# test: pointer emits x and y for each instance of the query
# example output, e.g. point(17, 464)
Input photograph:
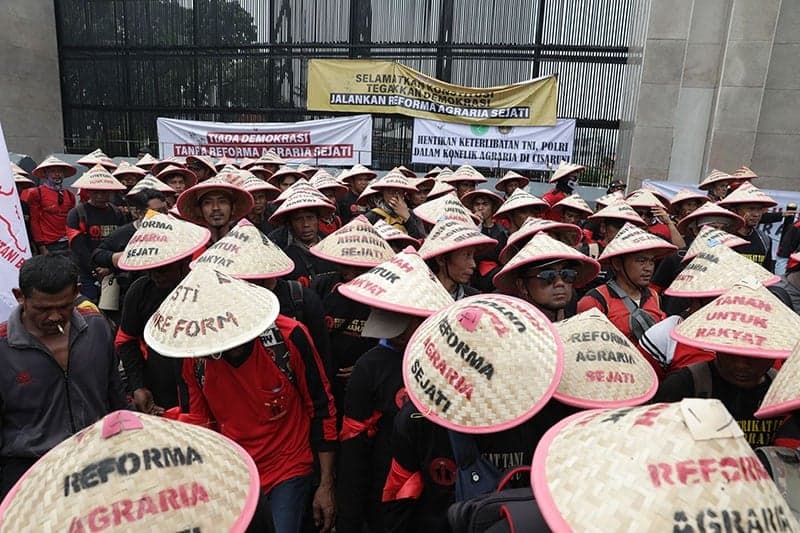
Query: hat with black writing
point(357, 243)
point(135, 472)
point(544, 249)
point(483, 364)
point(783, 396)
point(394, 180)
point(97, 157)
point(170, 170)
point(146, 162)
point(98, 178)
point(469, 199)
point(449, 235)
point(566, 169)
point(356, 170)
point(447, 206)
point(203, 160)
point(713, 178)
point(644, 199)
point(574, 202)
point(301, 184)
point(608, 199)
point(619, 210)
point(302, 198)
point(190, 200)
point(511, 176)
point(685, 195)
point(463, 173)
point(601, 367)
point(158, 166)
point(666, 467)
point(709, 236)
point(161, 240)
point(284, 171)
point(746, 320)
point(432, 173)
point(125, 168)
point(252, 184)
point(53, 162)
point(322, 180)
point(519, 199)
point(444, 174)
point(208, 313)
point(714, 270)
point(149, 182)
point(393, 235)
point(711, 213)
point(744, 173)
point(246, 253)
point(569, 234)
point(440, 188)
point(631, 239)
point(747, 193)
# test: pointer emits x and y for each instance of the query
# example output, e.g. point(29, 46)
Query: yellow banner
point(367, 86)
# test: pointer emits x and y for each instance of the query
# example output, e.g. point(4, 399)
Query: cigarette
point(60, 328)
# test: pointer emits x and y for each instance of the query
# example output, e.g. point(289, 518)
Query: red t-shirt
point(552, 197)
point(48, 218)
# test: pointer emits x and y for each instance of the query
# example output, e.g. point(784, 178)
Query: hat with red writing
point(301, 184)
point(160, 240)
point(747, 193)
point(544, 249)
point(447, 206)
point(134, 472)
point(449, 235)
point(644, 199)
point(464, 173)
point(125, 168)
point(569, 234)
point(520, 199)
point(440, 188)
point(710, 213)
point(511, 176)
point(146, 162)
point(666, 467)
point(483, 364)
point(746, 320)
point(394, 180)
point(394, 236)
point(246, 253)
point(149, 182)
point(608, 199)
point(714, 270)
point(302, 198)
point(97, 157)
point(709, 237)
point(631, 239)
point(208, 313)
point(356, 170)
point(53, 162)
point(685, 195)
point(566, 169)
point(98, 178)
point(715, 177)
point(357, 243)
point(170, 170)
point(574, 202)
point(783, 396)
point(190, 200)
point(601, 367)
point(619, 210)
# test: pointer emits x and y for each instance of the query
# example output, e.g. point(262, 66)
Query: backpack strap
point(296, 294)
point(273, 342)
point(81, 210)
point(701, 377)
point(597, 295)
point(622, 295)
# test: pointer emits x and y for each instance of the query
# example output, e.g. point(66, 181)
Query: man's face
point(304, 225)
point(688, 207)
point(418, 197)
point(548, 287)
point(720, 190)
point(751, 213)
point(259, 202)
point(216, 208)
point(286, 182)
point(483, 208)
point(459, 265)
point(359, 183)
point(463, 187)
point(519, 216)
point(99, 198)
point(45, 312)
point(513, 185)
point(176, 181)
point(639, 267)
point(54, 173)
point(571, 216)
point(744, 372)
point(168, 276)
point(609, 229)
point(129, 180)
point(330, 194)
point(156, 205)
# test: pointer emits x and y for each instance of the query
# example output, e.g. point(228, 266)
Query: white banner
point(14, 245)
point(523, 147)
point(340, 141)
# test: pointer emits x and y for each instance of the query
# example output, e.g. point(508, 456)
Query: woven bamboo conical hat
point(53, 162)
point(619, 210)
point(147, 161)
point(714, 177)
point(440, 188)
point(97, 157)
point(711, 213)
point(783, 396)
point(709, 236)
point(520, 198)
point(608, 199)
point(447, 206)
point(149, 182)
point(573, 201)
point(160, 240)
point(126, 168)
point(465, 173)
point(643, 199)
point(448, 235)
point(569, 234)
point(98, 178)
point(510, 176)
point(356, 170)
point(357, 243)
point(631, 239)
point(564, 169)
point(392, 234)
point(301, 198)
point(747, 193)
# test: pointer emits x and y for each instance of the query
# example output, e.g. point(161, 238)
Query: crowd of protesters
point(385, 348)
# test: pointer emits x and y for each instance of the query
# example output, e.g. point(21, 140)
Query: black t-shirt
point(347, 208)
point(758, 249)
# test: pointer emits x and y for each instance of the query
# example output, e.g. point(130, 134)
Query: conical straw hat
point(126, 168)
point(448, 206)
point(394, 180)
point(403, 284)
point(663, 198)
point(208, 313)
point(432, 173)
point(783, 396)
point(246, 253)
point(608, 199)
point(444, 174)
point(469, 199)
point(16, 169)
point(268, 158)
point(448, 235)
point(147, 161)
point(253, 184)
point(98, 178)
point(714, 270)
point(643, 199)
point(367, 194)
point(52, 162)
point(747, 193)
point(573, 201)
point(745, 173)
point(223, 161)
point(569, 234)
point(161, 240)
point(483, 364)
point(440, 188)
point(565, 169)
point(189, 201)
point(204, 160)
point(307, 170)
point(392, 234)
point(747, 320)
point(22, 181)
point(542, 248)
point(407, 172)
point(356, 170)
point(285, 170)
point(662, 467)
point(713, 178)
point(302, 199)
point(134, 472)
point(709, 236)
point(619, 210)
point(149, 182)
point(323, 180)
point(509, 176)
point(301, 184)
point(157, 167)
point(97, 158)
point(188, 176)
point(465, 173)
point(601, 366)
point(357, 243)
point(684, 195)
point(518, 199)
point(632, 239)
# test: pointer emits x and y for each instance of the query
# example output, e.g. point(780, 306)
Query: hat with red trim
point(158, 166)
point(189, 177)
point(520, 198)
point(98, 178)
point(511, 176)
point(447, 206)
point(783, 395)
point(160, 240)
point(744, 173)
point(685, 195)
point(95, 158)
point(710, 213)
point(747, 193)
point(644, 199)
point(356, 170)
point(619, 210)
point(573, 201)
point(203, 160)
point(301, 198)
point(715, 177)
point(323, 180)
point(708, 237)
point(631, 239)
point(608, 199)
point(189, 201)
point(449, 235)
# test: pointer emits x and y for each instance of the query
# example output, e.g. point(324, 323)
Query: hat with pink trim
point(146, 162)
point(158, 166)
point(447, 206)
point(307, 170)
point(299, 199)
point(744, 173)
point(356, 170)
point(543, 249)
point(323, 180)
point(98, 178)
point(432, 173)
point(710, 213)
point(404, 284)
point(569, 234)
point(246, 253)
point(394, 180)
point(708, 237)
point(783, 396)
point(284, 171)
point(714, 270)
point(449, 235)
point(573, 201)
point(188, 176)
point(602, 369)
point(97, 157)
point(407, 172)
point(483, 364)
point(268, 158)
point(511, 176)
point(520, 198)
point(689, 461)
point(189, 201)
point(715, 177)
point(685, 195)
point(204, 160)
point(619, 210)
point(301, 184)
point(53, 162)
point(566, 169)
point(495, 199)
point(631, 239)
point(746, 320)
point(464, 173)
point(135, 472)
point(357, 243)
point(126, 168)
point(367, 195)
point(644, 199)
point(747, 193)
point(161, 240)
point(440, 188)
point(608, 199)
point(149, 182)
point(394, 235)
point(253, 185)
point(224, 161)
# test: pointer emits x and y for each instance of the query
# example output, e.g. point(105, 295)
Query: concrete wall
point(30, 94)
point(719, 88)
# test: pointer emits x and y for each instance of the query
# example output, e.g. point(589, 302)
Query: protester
point(616, 186)
point(422, 188)
point(750, 203)
point(285, 177)
point(790, 282)
point(510, 182)
point(179, 178)
point(356, 178)
point(59, 370)
point(49, 204)
point(202, 167)
point(263, 193)
point(330, 189)
point(612, 217)
point(519, 207)
point(392, 206)
point(440, 188)
point(484, 203)
point(565, 178)
point(464, 179)
point(447, 206)
point(128, 175)
point(716, 185)
point(654, 213)
point(569, 234)
point(685, 202)
point(216, 203)
point(574, 210)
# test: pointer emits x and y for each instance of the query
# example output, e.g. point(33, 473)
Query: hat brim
point(588, 269)
point(69, 170)
point(380, 304)
point(188, 203)
point(382, 324)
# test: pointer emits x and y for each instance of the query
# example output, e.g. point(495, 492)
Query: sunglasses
point(567, 275)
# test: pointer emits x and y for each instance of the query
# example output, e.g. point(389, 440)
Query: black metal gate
point(125, 62)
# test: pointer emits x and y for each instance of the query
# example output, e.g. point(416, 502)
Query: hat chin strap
point(628, 278)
